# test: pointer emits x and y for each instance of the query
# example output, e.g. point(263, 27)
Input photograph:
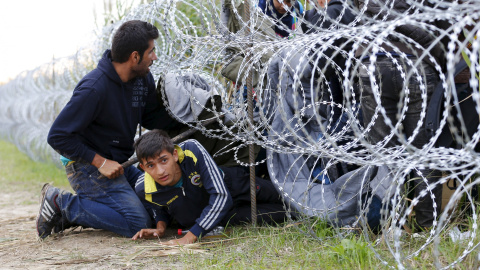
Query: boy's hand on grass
point(148, 234)
point(189, 238)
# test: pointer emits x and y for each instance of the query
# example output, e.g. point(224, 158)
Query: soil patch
point(76, 248)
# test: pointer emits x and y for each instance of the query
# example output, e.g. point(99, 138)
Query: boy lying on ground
point(182, 182)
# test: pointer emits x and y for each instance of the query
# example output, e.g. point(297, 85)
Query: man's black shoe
point(49, 214)
point(62, 225)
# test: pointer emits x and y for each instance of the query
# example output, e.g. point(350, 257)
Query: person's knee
point(141, 220)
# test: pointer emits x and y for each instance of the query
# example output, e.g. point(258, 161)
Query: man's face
point(143, 66)
point(280, 7)
point(163, 168)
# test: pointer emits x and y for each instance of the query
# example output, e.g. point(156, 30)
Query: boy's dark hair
point(152, 143)
point(132, 36)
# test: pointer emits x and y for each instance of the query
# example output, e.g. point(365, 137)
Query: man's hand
point(108, 168)
point(189, 238)
point(148, 234)
point(111, 169)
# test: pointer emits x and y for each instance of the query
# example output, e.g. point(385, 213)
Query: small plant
point(355, 251)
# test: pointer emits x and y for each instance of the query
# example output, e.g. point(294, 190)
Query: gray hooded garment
point(187, 95)
point(191, 98)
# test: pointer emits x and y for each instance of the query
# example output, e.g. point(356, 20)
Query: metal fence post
point(251, 147)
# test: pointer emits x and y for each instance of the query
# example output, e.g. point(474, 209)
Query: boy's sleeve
point(220, 201)
point(156, 212)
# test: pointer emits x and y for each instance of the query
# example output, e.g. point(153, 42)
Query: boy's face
point(163, 168)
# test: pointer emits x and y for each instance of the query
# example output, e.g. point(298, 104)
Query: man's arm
point(75, 117)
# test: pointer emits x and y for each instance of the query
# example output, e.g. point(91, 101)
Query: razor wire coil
point(195, 39)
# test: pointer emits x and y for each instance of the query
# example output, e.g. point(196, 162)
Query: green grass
point(288, 247)
point(247, 247)
point(20, 173)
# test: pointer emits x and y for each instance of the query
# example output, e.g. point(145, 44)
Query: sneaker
point(62, 225)
point(49, 214)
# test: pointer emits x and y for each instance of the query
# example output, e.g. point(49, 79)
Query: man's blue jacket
point(103, 114)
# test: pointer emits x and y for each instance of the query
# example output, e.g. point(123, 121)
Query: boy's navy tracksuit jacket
point(204, 200)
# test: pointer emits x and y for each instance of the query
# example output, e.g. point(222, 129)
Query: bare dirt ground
point(20, 247)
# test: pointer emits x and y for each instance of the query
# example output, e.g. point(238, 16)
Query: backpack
point(468, 113)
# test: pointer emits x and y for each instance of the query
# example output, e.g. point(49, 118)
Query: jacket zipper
point(183, 191)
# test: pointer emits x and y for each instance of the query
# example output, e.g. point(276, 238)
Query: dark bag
point(468, 113)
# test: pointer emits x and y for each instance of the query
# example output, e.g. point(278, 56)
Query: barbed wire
point(321, 150)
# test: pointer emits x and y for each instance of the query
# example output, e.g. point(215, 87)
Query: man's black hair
point(132, 36)
point(152, 143)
